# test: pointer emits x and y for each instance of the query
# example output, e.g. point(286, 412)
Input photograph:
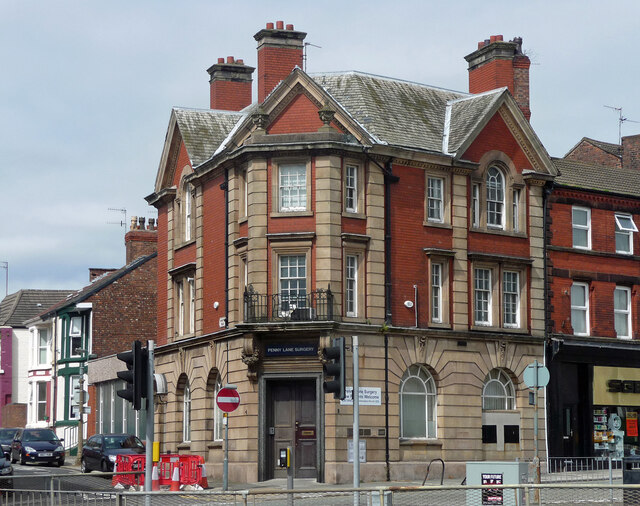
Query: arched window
point(498, 392)
point(417, 404)
point(186, 413)
point(217, 413)
point(187, 212)
point(495, 198)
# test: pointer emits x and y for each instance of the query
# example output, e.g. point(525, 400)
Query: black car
point(100, 451)
point(37, 445)
point(6, 439)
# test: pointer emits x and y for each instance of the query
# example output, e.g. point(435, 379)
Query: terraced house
point(349, 204)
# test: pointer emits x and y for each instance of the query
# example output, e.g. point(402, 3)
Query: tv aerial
point(304, 55)
point(621, 120)
point(123, 220)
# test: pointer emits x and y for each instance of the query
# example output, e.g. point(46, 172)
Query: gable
point(496, 136)
point(299, 116)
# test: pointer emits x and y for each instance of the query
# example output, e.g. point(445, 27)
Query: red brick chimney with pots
point(631, 152)
point(230, 84)
point(141, 241)
point(496, 64)
point(280, 50)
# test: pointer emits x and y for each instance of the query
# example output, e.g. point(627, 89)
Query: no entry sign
point(228, 399)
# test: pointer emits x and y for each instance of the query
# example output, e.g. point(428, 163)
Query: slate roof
point(19, 307)
point(94, 287)
point(607, 147)
point(203, 130)
point(596, 177)
point(393, 112)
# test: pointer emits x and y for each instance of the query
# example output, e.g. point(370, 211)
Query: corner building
point(348, 204)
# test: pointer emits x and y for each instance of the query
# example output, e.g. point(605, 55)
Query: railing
point(70, 435)
point(583, 469)
point(312, 306)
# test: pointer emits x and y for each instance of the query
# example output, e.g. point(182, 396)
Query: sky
point(87, 88)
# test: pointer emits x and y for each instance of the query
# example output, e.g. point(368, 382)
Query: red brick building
point(347, 204)
point(593, 278)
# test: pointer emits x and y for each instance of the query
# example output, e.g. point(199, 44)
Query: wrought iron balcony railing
point(312, 306)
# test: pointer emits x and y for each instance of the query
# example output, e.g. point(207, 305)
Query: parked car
point(6, 469)
point(100, 451)
point(37, 445)
point(6, 439)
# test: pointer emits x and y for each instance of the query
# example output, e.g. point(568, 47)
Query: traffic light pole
point(150, 415)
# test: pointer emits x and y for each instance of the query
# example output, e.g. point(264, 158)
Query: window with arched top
point(495, 198)
point(184, 405)
point(417, 403)
point(498, 392)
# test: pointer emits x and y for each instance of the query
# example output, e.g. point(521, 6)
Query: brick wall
point(163, 276)
point(125, 310)
point(301, 115)
point(631, 152)
point(14, 415)
point(588, 153)
point(274, 64)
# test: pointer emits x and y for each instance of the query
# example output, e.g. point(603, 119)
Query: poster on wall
point(632, 423)
point(492, 495)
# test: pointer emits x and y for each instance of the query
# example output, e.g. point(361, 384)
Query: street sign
point(228, 399)
point(529, 375)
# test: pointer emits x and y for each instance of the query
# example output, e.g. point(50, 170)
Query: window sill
point(420, 442)
point(289, 214)
point(443, 325)
point(212, 445)
point(437, 224)
point(498, 231)
point(185, 244)
point(509, 330)
point(243, 220)
point(355, 216)
point(184, 446)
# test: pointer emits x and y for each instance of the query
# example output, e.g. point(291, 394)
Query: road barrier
point(190, 469)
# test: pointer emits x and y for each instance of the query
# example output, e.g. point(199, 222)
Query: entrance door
point(570, 431)
point(291, 422)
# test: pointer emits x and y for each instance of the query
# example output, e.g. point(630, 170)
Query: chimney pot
point(220, 60)
point(280, 25)
point(499, 38)
point(269, 26)
point(229, 59)
point(134, 220)
point(481, 44)
point(492, 39)
point(289, 27)
point(240, 61)
point(141, 221)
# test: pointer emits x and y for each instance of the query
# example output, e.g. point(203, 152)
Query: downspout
point(546, 191)
point(386, 407)
point(225, 187)
point(54, 378)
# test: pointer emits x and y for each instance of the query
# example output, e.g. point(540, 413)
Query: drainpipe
point(54, 375)
point(225, 187)
point(546, 191)
point(386, 407)
point(388, 179)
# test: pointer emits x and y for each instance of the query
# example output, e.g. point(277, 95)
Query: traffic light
point(334, 366)
point(137, 361)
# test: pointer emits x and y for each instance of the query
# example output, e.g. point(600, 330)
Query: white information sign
point(369, 396)
point(363, 450)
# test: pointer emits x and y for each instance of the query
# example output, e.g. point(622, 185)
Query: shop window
point(625, 227)
point(498, 392)
point(581, 227)
point(417, 404)
point(580, 309)
point(622, 312)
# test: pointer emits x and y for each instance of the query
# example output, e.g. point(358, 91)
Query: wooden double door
point(291, 422)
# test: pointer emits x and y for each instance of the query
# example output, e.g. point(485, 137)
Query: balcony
point(313, 306)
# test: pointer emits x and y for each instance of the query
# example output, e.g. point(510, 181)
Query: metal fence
point(521, 495)
point(580, 469)
point(312, 306)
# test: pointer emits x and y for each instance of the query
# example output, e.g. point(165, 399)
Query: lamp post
point(84, 356)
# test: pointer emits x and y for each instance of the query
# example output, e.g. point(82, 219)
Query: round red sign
point(228, 399)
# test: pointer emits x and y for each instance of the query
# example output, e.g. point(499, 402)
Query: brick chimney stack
point(496, 64)
point(230, 84)
point(280, 50)
point(631, 152)
point(141, 241)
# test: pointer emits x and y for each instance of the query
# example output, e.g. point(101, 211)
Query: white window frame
point(500, 377)
point(508, 299)
point(73, 332)
point(495, 197)
point(435, 199)
point(515, 209)
point(39, 401)
point(623, 312)
point(186, 413)
point(187, 213)
point(282, 281)
point(351, 286)
point(475, 205)
point(217, 412)
point(420, 373)
point(192, 304)
point(181, 315)
point(292, 187)
point(624, 228)
point(584, 309)
point(42, 348)
point(351, 188)
point(578, 226)
point(487, 289)
point(436, 292)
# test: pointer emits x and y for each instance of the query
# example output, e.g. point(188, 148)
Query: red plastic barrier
point(128, 463)
point(165, 467)
point(191, 469)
